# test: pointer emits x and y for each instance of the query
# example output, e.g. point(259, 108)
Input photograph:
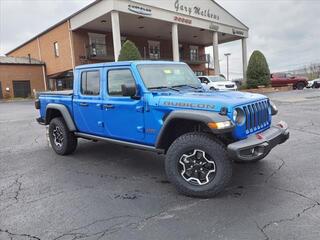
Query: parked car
point(314, 83)
point(284, 79)
point(161, 107)
point(217, 83)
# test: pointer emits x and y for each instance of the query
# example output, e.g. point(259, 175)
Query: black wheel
point(300, 86)
point(254, 160)
point(198, 165)
point(212, 89)
point(62, 140)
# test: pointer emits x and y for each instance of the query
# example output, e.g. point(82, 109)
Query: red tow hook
point(259, 136)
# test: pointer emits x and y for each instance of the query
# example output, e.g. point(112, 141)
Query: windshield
point(217, 79)
point(167, 75)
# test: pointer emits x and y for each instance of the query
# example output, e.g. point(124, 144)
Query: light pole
point(227, 55)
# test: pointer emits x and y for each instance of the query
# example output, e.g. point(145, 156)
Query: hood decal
point(188, 105)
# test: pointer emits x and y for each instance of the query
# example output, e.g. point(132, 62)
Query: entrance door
point(1, 96)
point(21, 89)
point(123, 116)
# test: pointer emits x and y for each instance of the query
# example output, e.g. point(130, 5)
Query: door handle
point(108, 106)
point(83, 104)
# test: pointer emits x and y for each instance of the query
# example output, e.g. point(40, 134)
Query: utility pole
point(227, 55)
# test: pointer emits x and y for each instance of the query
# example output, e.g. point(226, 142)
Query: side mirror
point(129, 90)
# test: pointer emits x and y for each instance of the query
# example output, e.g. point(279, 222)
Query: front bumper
point(259, 145)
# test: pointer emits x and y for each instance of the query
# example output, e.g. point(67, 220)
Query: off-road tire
point(69, 142)
point(300, 86)
point(210, 146)
point(254, 160)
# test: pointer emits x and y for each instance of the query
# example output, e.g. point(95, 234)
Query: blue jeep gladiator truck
point(162, 107)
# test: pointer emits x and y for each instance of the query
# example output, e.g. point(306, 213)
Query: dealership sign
point(237, 32)
point(182, 20)
point(139, 10)
point(195, 10)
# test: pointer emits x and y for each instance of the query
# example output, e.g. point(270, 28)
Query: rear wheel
point(198, 165)
point(300, 85)
point(62, 140)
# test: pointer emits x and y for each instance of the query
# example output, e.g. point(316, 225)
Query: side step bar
point(128, 144)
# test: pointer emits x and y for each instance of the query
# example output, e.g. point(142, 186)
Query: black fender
point(65, 114)
point(204, 117)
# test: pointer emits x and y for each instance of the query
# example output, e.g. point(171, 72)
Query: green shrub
point(129, 52)
point(258, 73)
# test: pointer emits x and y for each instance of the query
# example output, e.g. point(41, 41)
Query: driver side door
point(123, 116)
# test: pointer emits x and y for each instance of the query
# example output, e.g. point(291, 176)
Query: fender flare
point(65, 114)
point(204, 117)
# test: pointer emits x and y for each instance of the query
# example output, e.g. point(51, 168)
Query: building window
point(198, 73)
point(194, 53)
point(181, 52)
point(90, 83)
point(123, 40)
point(116, 78)
point(98, 47)
point(154, 49)
point(56, 49)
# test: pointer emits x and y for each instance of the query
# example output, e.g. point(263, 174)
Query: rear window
point(90, 83)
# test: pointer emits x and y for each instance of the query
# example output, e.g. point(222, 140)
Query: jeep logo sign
point(237, 32)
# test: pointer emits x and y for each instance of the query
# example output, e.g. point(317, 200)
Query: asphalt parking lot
point(106, 191)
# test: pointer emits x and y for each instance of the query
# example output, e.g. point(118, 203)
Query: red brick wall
point(81, 41)
point(54, 64)
point(9, 73)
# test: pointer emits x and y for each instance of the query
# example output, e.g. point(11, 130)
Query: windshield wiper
point(186, 85)
point(163, 87)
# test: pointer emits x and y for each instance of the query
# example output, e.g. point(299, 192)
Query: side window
point(116, 78)
point(90, 83)
point(56, 49)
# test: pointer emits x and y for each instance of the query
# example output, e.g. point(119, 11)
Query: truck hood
point(212, 100)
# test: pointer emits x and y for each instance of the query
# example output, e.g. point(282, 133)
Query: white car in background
point(217, 83)
point(314, 83)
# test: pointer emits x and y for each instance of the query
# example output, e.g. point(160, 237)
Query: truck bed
point(64, 92)
point(55, 97)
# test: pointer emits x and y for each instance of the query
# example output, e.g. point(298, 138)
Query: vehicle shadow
point(128, 162)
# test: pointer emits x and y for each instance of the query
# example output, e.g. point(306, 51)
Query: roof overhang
point(204, 14)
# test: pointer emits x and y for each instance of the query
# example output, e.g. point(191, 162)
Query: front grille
point(257, 116)
point(230, 86)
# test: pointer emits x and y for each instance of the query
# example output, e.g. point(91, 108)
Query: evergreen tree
point(129, 52)
point(258, 73)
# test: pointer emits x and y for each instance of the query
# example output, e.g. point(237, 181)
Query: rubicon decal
point(188, 105)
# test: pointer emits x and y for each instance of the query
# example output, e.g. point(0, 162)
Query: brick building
point(178, 30)
point(20, 77)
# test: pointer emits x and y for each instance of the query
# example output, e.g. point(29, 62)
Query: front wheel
point(300, 86)
point(198, 165)
point(62, 140)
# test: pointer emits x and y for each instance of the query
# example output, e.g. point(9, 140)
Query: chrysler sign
point(139, 10)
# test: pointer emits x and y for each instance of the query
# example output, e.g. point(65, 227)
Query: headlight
point(274, 109)
point(234, 115)
point(238, 116)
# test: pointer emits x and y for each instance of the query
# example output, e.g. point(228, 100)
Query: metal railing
point(98, 52)
point(197, 59)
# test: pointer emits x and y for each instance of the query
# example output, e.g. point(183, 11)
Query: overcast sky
point(286, 31)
